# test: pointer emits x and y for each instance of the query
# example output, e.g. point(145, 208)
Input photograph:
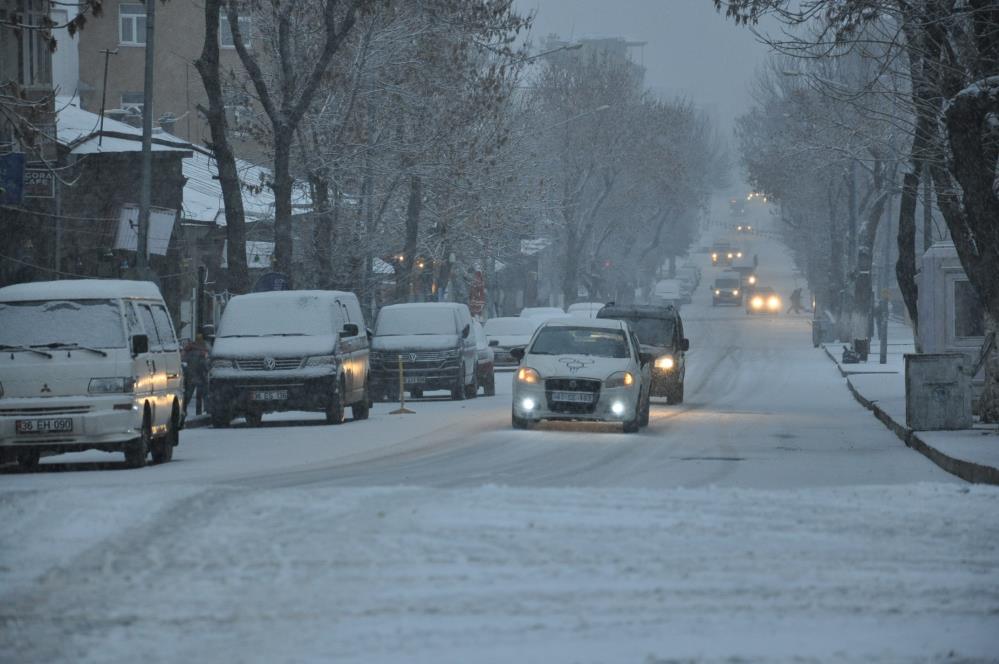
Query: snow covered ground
point(770, 518)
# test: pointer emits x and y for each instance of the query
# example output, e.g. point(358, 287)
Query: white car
point(576, 369)
point(509, 332)
point(585, 309)
point(542, 312)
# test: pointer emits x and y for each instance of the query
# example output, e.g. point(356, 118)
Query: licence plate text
point(49, 425)
point(573, 397)
point(269, 395)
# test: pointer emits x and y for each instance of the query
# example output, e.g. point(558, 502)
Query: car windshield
point(512, 327)
point(277, 316)
point(726, 283)
point(565, 340)
point(415, 320)
point(653, 331)
point(90, 323)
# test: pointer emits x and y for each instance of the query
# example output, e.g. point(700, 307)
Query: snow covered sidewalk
point(488, 574)
point(972, 454)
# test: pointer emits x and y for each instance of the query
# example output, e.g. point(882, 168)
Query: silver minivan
point(88, 364)
point(289, 350)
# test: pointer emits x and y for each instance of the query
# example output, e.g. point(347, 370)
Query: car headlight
point(773, 302)
point(320, 360)
point(222, 363)
point(620, 379)
point(730, 255)
point(528, 375)
point(735, 291)
point(714, 257)
point(717, 292)
point(454, 352)
point(738, 255)
point(757, 303)
point(111, 385)
point(665, 362)
point(751, 280)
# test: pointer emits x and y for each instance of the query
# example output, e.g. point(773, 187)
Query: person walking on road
point(195, 356)
point(795, 301)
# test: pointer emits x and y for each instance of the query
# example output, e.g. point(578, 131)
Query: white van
point(88, 364)
point(289, 350)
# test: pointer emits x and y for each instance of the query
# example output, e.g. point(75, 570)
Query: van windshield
point(90, 323)
point(415, 320)
point(277, 317)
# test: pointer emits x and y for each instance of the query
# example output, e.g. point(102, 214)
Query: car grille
point(572, 385)
point(433, 359)
point(50, 410)
point(257, 364)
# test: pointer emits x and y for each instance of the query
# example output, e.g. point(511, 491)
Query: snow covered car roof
point(291, 294)
point(597, 323)
point(80, 289)
point(424, 305)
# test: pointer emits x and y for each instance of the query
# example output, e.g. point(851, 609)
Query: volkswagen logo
point(268, 363)
point(412, 357)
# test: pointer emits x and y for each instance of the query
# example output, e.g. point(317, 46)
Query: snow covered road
point(769, 518)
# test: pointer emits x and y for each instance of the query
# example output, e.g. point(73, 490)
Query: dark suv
point(660, 333)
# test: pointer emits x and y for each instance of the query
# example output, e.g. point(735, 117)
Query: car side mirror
point(140, 344)
point(465, 331)
point(371, 333)
point(494, 342)
point(645, 358)
point(517, 354)
point(685, 344)
point(350, 330)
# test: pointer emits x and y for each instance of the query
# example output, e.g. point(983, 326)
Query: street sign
point(11, 178)
point(39, 183)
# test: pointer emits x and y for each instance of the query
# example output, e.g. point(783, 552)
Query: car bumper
point(241, 394)
point(602, 410)
point(663, 380)
point(105, 422)
point(727, 299)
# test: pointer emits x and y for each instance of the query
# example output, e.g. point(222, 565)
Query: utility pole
point(142, 249)
point(104, 91)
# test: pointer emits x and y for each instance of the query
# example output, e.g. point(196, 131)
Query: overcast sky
point(692, 50)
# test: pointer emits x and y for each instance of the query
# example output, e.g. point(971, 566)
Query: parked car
point(508, 333)
point(670, 292)
point(764, 301)
point(690, 275)
point(88, 364)
point(577, 369)
point(435, 345)
point(726, 291)
point(289, 350)
point(585, 309)
point(660, 333)
point(542, 312)
point(485, 365)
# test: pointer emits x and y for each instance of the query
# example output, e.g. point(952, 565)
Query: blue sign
point(11, 178)
point(272, 281)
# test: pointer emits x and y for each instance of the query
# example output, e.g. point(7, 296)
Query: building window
point(225, 34)
point(132, 24)
point(26, 45)
point(969, 315)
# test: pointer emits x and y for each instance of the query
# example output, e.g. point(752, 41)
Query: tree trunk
point(905, 268)
point(282, 204)
point(232, 198)
point(863, 292)
point(405, 283)
point(323, 231)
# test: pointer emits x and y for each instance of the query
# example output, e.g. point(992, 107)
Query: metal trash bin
point(937, 392)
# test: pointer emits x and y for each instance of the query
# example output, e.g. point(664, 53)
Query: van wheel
point(137, 450)
point(675, 393)
point(472, 391)
point(163, 448)
point(490, 387)
point(28, 459)
point(458, 391)
point(362, 408)
point(644, 420)
point(335, 409)
point(632, 425)
point(221, 417)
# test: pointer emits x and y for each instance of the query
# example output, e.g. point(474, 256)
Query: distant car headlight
point(751, 280)
point(757, 302)
point(738, 255)
point(528, 375)
point(749, 228)
point(714, 257)
point(111, 385)
point(735, 291)
point(665, 362)
point(620, 379)
point(730, 255)
point(773, 302)
point(321, 360)
point(717, 292)
point(222, 363)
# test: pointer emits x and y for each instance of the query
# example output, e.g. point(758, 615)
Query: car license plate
point(413, 379)
point(50, 425)
point(573, 397)
point(269, 395)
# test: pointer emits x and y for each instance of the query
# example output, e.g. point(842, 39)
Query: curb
point(966, 470)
